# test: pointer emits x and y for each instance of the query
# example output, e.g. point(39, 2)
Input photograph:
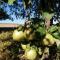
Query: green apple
point(18, 35)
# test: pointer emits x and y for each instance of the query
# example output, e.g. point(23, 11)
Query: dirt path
point(3, 25)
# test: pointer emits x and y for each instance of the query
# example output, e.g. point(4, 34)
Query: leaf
point(10, 2)
point(53, 29)
point(41, 31)
point(56, 35)
point(47, 15)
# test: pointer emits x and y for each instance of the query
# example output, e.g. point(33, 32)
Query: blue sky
point(7, 8)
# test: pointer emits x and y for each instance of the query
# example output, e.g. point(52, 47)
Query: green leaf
point(47, 15)
point(41, 31)
point(53, 29)
point(56, 35)
point(10, 2)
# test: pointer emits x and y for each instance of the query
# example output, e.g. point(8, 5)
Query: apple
point(45, 42)
point(50, 38)
point(18, 35)
point(31, 54)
